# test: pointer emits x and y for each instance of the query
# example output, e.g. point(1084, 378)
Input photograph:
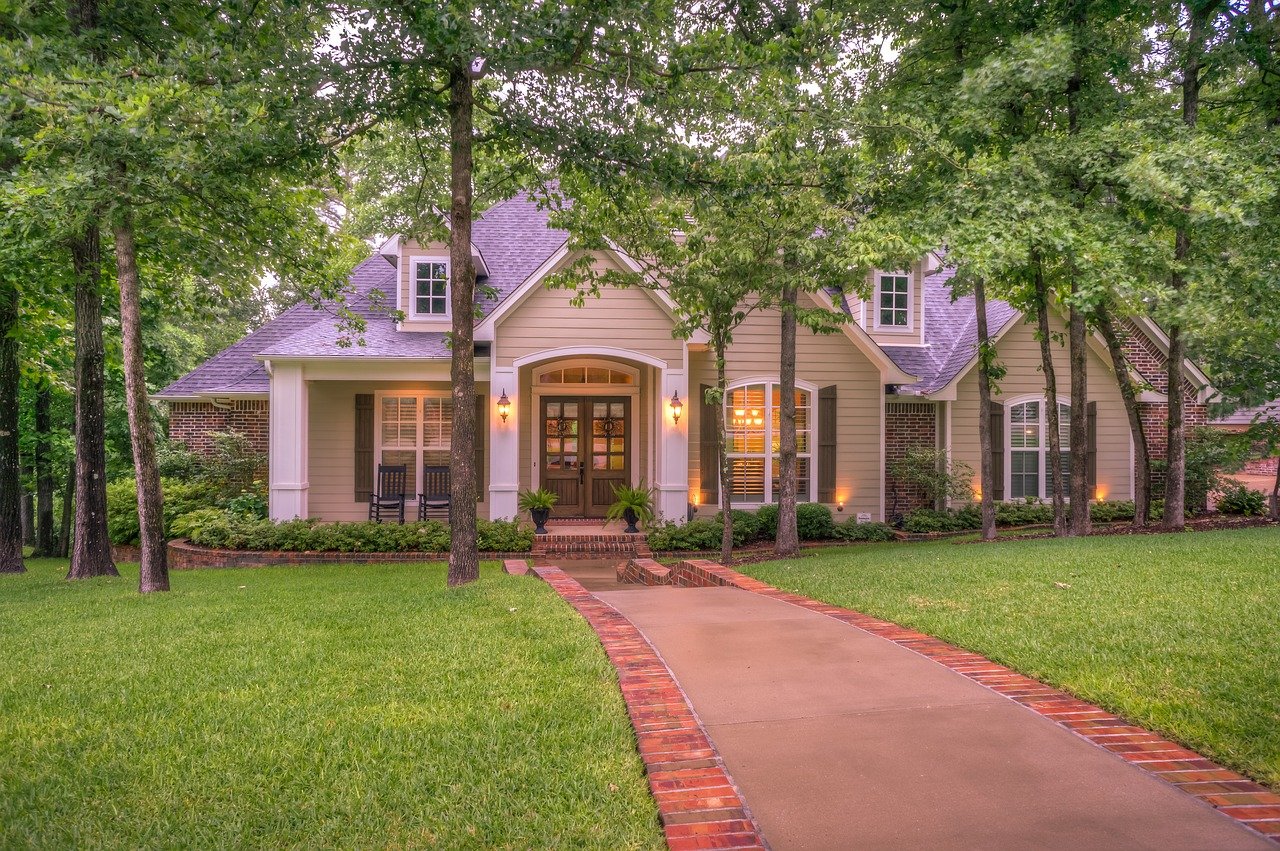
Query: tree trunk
point(1053, 427)
point(985, 438)
point(153, 574)
point(27, 508)
point(90, 545)
point(1175, 479)
point(10, 474)
point(44, 473)
point(1077, 341)
point(68, 506)
point(722, 449)
point(1275, 494)
point(464, 556)
point(787, 543)
point(1128, 392)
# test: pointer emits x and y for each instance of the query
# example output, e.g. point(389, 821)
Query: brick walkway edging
point(698, 803)
point(1231, 794)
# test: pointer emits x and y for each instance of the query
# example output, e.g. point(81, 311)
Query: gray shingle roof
point(1246, 416)
point(951, 334)
point(512, 236)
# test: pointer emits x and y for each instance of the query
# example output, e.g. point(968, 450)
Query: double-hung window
point(1030, 474)
point(415, 430)
point(753, 421)
point(894, 305)
point(431, 288)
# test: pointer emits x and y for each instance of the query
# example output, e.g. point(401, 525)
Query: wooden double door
point(586, 451)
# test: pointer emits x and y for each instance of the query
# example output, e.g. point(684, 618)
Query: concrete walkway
point(840, 739)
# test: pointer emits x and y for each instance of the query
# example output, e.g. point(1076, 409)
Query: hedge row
point(227, 531)
point(813, 522)
point(924, 520)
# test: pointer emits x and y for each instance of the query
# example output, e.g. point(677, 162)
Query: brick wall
point(907, 425)
point(1143, 355)
point(192, 422)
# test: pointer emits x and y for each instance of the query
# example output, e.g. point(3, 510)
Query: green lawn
point(310, 707)
point(1180, 633)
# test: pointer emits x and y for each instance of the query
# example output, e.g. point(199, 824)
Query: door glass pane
point(575, 375)
point(617, 462)
point(571, 410)
point(597, 375)
point(553, 462)
point(571, 444)
point(599, 462)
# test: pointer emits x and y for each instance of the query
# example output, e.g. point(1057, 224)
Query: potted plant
point(632, 505)
point(538, 503)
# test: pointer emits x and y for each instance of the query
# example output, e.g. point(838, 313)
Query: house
point(593, 390)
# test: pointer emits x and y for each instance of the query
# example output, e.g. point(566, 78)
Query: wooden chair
point(435, 493)
point(388, 499)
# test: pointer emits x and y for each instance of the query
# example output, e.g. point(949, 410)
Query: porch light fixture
point(504, 405)
point(676, 406)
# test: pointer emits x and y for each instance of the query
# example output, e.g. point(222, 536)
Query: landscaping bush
point(180, 497)
point(747, 528)
point(813, 522)
point(925, 520)
point(852, 530)
point(768, 517)
point(703, 535)
point(431, 536)
point(1112, 512)
point(1021, 514)
point(1238, 499)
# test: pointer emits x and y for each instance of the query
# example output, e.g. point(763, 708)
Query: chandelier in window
point(742, 417)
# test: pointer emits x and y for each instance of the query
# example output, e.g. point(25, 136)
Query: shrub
point(747, 528)
point(701, 535)
point(250, 503)
point(768, 517)
point(503, 536)
point(180, 497)
point(193, 523)
point(924, 520)
point(852, 530)
point(932, 472)
point(1022, 513)
point(1238, 499)
point(813, 522)
point(1112, 512)
point(239, 533)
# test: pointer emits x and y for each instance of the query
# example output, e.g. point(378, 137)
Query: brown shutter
point(997, 450)
point(708, 454)
point(364, 447)
point(827, 419)
point(482, 430)
point(1092, 431)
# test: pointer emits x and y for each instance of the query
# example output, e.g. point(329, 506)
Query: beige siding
point(823, 360)
point(627, 318)
point(1019, 352)
point(331, 444)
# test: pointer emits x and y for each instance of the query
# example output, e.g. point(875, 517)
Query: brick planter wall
point(1262, 466)
point(907, 425)
point(192, 423)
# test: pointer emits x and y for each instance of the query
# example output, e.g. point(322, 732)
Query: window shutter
point(998, 450)
point(827, 444)
point(1092, 410)
point(708, 449)
point(482, 430)
point(364, 447)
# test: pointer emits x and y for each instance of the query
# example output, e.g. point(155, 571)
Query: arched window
point(753, 421)
point(1028, 446)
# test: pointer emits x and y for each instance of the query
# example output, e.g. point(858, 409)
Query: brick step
point(591, 546)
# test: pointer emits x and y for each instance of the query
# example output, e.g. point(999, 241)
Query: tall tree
point(10, 474)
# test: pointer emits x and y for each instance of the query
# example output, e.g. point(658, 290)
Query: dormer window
point(431, 289)
point(893, 302)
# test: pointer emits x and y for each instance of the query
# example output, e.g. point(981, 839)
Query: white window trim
point(412, 312)
point(812, 454)
point(409, 498)
point(597, 388)
point(874, 306)
point(1007, 447)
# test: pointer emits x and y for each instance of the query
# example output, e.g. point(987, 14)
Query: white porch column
point(504, 443)
point(288, 442)
point(672, 445)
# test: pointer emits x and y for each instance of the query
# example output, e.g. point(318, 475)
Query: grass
point(1180, 633)
point(310, 707)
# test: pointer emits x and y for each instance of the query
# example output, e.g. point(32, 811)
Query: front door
point(586, 451)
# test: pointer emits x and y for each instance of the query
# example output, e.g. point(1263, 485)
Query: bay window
point(753, 422)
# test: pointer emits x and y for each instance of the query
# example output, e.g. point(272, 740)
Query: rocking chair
point(388, 499)
point(434, 498)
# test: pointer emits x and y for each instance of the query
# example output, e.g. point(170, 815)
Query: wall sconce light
point(840, 505)
point(676, 406)
point(504, 405)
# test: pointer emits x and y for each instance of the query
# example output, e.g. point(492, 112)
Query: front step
point(591, 546)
